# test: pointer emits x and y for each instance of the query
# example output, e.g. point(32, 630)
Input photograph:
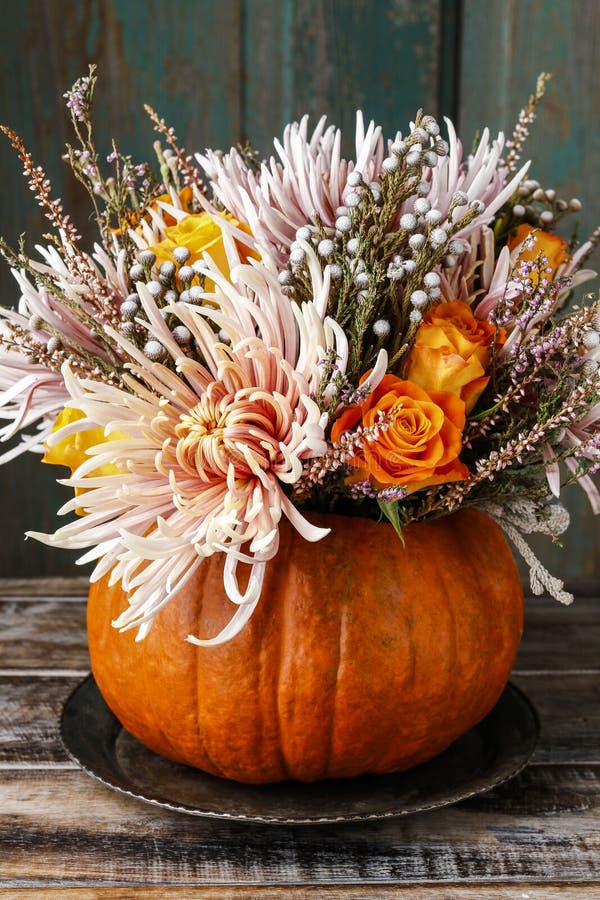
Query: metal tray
point(491, 753)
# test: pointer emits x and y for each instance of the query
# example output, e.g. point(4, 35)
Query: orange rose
point(545, 244)
point(452, 352)
point(422, 440)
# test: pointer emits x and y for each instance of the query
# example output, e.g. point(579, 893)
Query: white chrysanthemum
point(31, 397)
point(209, 449)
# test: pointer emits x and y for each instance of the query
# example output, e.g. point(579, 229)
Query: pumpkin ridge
point(449, 600)
point(282, 615)
point(470, 587)
point(264, 699)
point(341, 642)
point(149, 696)
point(215, 769)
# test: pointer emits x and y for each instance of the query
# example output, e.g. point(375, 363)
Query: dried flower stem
point(526, 118)
point(190, 172)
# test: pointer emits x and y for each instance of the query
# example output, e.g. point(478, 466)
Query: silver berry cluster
point(590, 341)
point(169, 283)
point(542, 207)
point(422, 147)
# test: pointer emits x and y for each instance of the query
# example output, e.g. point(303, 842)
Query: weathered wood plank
point(569, 711)
point(43, 634)
point(38, 630)
point(332, 57)
point(522, 891)
point(504, 48)
point(568, 707)
point(559, 637)
point(46, 587)
point(64, 828)
point(30, 714)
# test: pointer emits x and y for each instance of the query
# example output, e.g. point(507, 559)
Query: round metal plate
point(492, 752)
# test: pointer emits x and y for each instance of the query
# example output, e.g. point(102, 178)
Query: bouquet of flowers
point(255, 340)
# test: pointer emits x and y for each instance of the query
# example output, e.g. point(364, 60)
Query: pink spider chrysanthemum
point(31, 397)
point(61, 316)
point(206, 451)
point(310, 177)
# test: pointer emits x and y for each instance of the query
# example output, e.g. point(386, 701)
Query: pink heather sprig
point(79, 97)
point(526, 117)
point(361, 489)
point(354, 396)
point(339, 455)
point(588, 449)
point(392, 494)
point(191, 175)
point(39, 183)
point(529, 364)
point(524, 448)
point(78, 264)
point(537, 299)
point(540, 300)
point(556, 346)
point(336, 391)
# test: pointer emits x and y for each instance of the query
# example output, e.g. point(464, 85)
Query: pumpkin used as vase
point(364, 655)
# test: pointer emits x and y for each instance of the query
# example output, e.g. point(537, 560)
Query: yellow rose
point(71, 451)
point(186, 198)
point(452, 352)
point(132, 219)
point(199, 233)
point(420, 445)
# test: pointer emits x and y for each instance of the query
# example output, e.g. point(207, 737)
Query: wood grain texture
point(30, 712)
point(522, 891)
point(569, 712)
point(527, 839)
point(53, 586)
point(38, 634)
point(553, 837)
point(560, 638)
point(504, 48)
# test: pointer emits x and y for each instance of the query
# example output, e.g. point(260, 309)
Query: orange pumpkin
point(362, 655)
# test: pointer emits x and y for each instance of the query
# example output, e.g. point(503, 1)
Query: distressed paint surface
point(221, 72)
point(332, 57)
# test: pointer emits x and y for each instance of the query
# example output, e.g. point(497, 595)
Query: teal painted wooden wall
point(227, 70)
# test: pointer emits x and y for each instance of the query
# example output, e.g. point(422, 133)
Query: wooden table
point(62, 834)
